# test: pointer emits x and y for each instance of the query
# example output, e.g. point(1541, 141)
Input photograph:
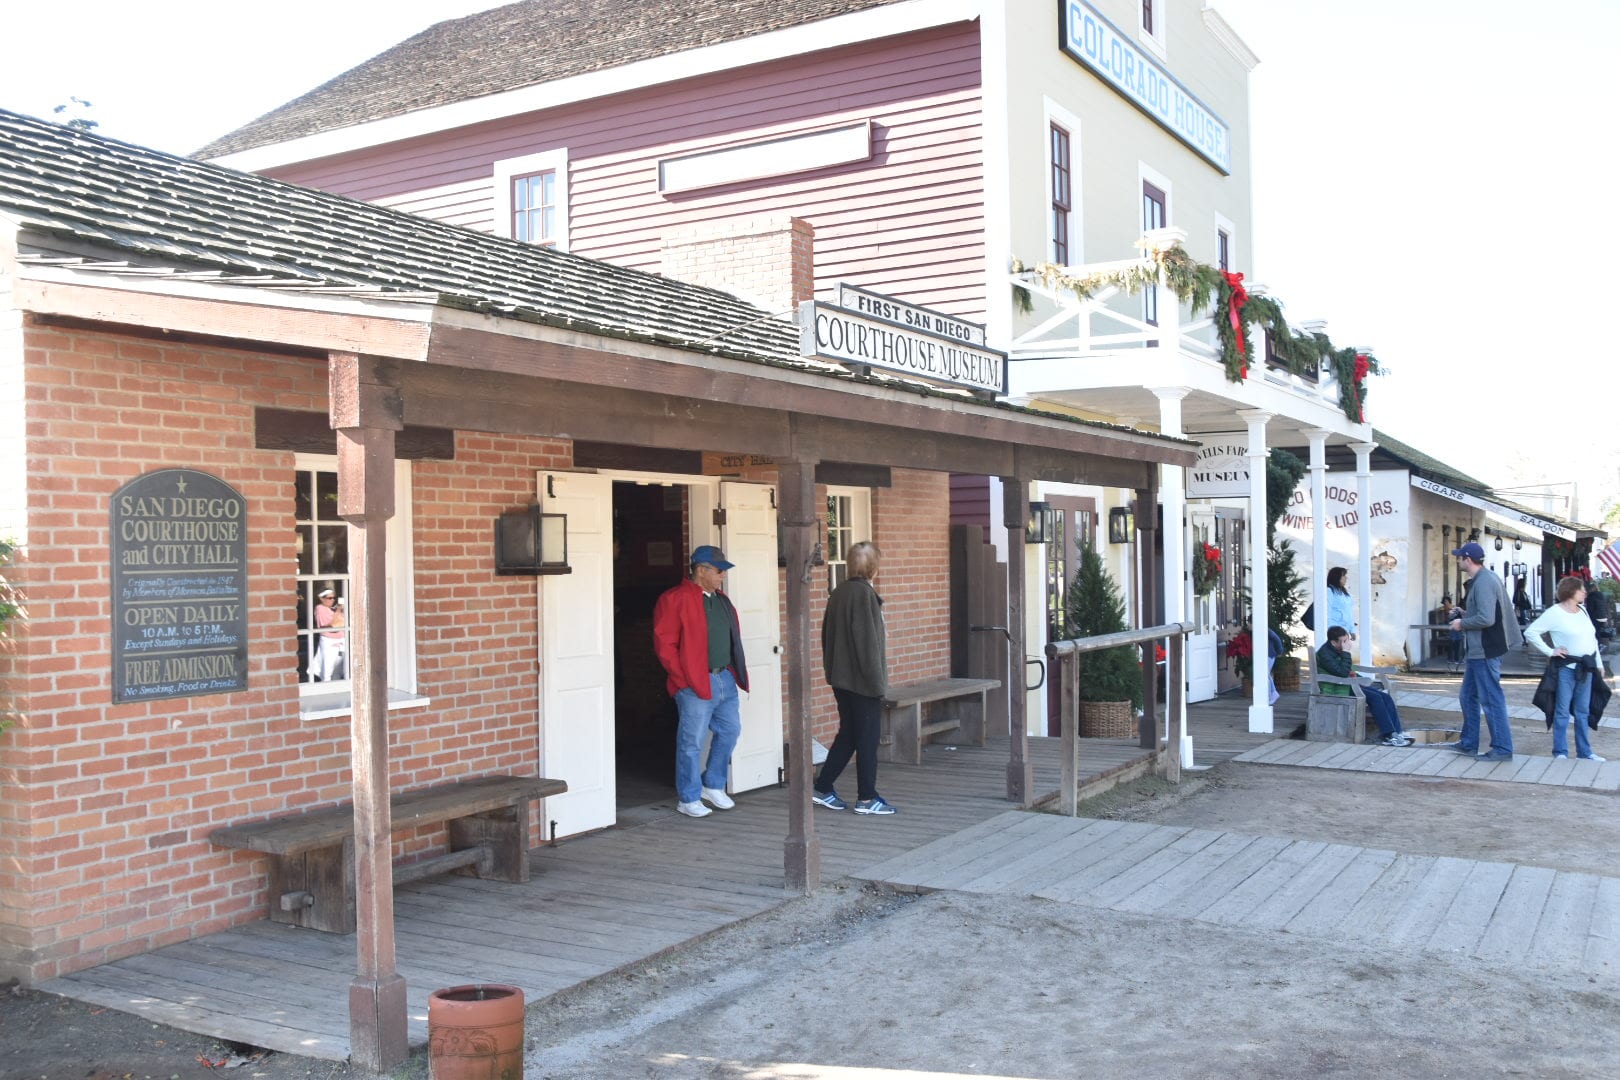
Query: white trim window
point(322, 546)
point(849, 521)
point(1155, 195)
point(1225, 245)
point(1062, 155)
point(531, 198)
point(1155, 16)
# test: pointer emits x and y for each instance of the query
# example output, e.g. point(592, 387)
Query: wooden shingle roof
point(522, 44)
point(68, 189)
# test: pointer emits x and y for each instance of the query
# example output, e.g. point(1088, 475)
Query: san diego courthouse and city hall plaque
point(179, 577)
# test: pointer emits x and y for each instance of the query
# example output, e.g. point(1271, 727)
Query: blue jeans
point(1574, 698)
point(1383, 710)
point(1482, 687)
point(720, 715)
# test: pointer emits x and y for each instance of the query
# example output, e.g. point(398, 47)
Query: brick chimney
point(768, 261)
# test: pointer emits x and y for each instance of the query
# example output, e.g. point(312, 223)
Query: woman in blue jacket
point(1341, 608)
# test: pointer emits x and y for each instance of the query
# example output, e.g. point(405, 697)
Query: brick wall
point(767, 261)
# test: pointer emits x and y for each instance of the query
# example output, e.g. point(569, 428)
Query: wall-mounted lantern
point(1120, 525)
point(1041, 525)
point(1498, 543)
point(529, 542)
point(1517, 544)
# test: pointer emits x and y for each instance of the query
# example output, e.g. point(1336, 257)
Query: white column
point(1319, 567)
point(1364, 618)
point(1173, 497)
point(1260, 708)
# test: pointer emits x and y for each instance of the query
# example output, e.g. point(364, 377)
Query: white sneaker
point(693, 809)
point(1594, 757)
point(717, 798)
point(1560, 757)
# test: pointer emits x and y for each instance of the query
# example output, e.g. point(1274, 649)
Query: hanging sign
point(1507, 513)
point(179, 587)
point(869, 330)
point(1222, 468)
point(1095, 43)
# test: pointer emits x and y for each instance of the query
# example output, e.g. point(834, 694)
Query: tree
point(1095, 607)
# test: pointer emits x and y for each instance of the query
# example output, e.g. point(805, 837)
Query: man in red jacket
point(698, 639)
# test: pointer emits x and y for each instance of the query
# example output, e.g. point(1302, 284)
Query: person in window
point(1334, 659)
point(854, 654)
point(698, 639)
point(1341, 608)
point(329, 658)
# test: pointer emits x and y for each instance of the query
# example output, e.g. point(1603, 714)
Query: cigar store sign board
point(179, 580)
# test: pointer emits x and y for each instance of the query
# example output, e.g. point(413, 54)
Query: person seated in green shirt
point(1333, 658)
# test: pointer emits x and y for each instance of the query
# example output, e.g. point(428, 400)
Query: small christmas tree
point(1095, 607)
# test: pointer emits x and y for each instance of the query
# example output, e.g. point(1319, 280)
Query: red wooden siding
point(909, 221)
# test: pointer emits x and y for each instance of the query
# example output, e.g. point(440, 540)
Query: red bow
point(1359, 374)
point(1234, 311)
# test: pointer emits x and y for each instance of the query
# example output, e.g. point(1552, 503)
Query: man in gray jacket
point(854, 655)
point(1489, 630)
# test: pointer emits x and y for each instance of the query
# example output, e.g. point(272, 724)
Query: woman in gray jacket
point(855, 658)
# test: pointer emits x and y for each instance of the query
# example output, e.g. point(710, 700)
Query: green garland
point(1203, 287)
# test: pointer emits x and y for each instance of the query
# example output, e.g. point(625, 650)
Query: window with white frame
point(1062, 194)
point(1225, 253)
point(1063, 224)
point(1155, 215)
point(1155, 14)
point(531, 198)
point(323, 583)
point(849, 521)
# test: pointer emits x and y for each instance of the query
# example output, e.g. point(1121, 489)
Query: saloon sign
point(869, 330)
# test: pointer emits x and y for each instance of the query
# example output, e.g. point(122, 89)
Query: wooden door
point(749, 540)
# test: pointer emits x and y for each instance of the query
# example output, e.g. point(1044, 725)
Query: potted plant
point(1110, 680)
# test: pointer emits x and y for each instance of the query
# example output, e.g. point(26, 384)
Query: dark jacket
point(1546, 696)
point(1489, 629)
point(681, 640)
point(854, 650)
point(1333, 662)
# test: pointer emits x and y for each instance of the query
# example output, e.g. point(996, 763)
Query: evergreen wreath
point(1206, 569)
point(1234, 312)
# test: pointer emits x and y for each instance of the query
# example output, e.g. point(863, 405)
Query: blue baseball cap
point(709, 555)
point(1470, 551)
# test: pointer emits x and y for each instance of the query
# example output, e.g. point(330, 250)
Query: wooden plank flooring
point(594, 904)
point(1441, 760)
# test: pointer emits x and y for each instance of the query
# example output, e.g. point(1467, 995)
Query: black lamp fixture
point(1041, 524)
point(1121, 524)
point(531, 543)
point(1498, 543)
point(1517, 543)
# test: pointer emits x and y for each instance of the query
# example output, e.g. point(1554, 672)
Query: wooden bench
point(312, 854)
point(915, 712)
point(1336, 718)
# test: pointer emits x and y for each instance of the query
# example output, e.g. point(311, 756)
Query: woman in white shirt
point(1574, 651)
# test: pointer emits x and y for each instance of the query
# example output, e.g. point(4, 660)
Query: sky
point(1415, 164)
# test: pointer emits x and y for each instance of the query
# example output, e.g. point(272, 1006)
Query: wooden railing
point(1061, 656)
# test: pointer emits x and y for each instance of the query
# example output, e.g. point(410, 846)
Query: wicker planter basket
point(1286, 673)
point(1107, 720)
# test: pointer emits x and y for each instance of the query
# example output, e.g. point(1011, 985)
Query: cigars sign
point(179, 587)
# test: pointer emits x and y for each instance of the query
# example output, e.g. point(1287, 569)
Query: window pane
point(322, 564)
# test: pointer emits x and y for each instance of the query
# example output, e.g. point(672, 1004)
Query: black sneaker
point(874, 806)
point(829, 799)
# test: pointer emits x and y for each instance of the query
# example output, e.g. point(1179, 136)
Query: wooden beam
point(1020, 772)
point(311, 433)
point(797, 519)
point(366, 414)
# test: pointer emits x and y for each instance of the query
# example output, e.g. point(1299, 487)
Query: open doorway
point(649, 553)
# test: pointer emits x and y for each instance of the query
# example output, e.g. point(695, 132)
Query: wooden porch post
point(1015, 509)
point(366, 412)
point(797, 518)
point(1147, 500)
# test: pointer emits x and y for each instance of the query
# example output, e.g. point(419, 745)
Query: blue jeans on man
point(1482, 688)
point(1383, 710)
point(1574, 699)
point(721, 716)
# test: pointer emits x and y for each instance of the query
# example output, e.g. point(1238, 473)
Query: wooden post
point(1015, 508)
point(1175, 710)
point(1146, 511)
point(366, 412)
point(797, 516)
point(1068, 726)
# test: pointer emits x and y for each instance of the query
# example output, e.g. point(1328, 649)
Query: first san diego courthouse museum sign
point(179, 587)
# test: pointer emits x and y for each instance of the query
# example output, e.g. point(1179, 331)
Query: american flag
point(1610, 557)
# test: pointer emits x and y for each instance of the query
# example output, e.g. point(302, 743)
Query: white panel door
point(576, 660)
point(1203, 647)
point(749, 540)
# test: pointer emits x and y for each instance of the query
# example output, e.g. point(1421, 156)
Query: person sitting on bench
point(1333, 658)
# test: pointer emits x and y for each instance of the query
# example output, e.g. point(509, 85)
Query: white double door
point(1203, 646)
point(576, 638)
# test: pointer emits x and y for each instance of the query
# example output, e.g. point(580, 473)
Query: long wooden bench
point(913, 713)
point(312, 853)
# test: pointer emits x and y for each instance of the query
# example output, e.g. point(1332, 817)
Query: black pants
point(860, 721)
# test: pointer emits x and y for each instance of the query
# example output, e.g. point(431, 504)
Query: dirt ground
point(850, 983)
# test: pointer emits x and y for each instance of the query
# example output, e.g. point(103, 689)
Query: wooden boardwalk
point(1437, 761)
point(1523, 916)
point(595, 904)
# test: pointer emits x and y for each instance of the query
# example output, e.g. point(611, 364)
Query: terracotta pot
point(475, 1033)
